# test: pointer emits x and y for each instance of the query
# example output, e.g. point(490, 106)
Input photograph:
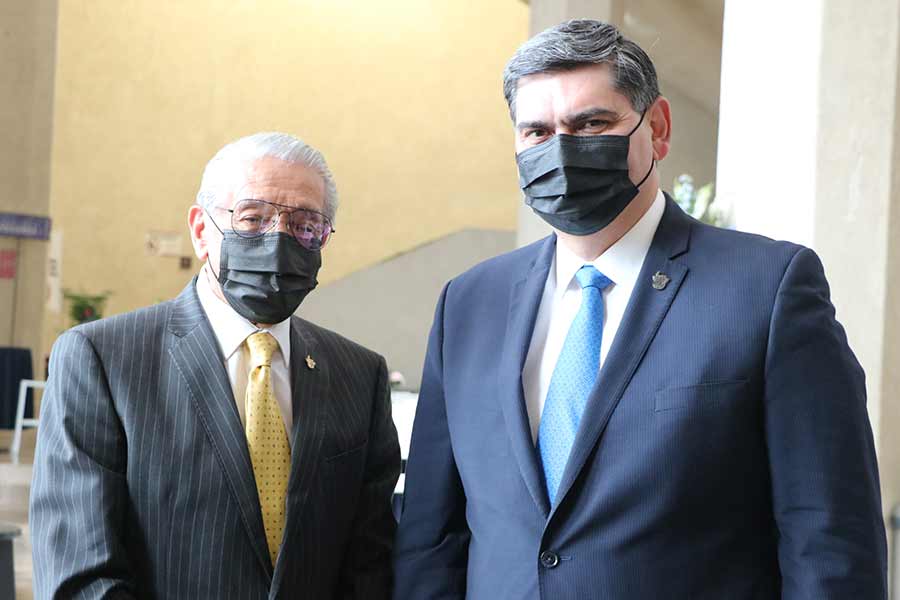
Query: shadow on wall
point(389, 307)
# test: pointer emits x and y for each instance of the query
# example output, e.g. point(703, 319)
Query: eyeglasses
point(254, 218)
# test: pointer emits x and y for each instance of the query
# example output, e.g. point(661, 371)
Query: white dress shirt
point(231, 330)
point(621, 263)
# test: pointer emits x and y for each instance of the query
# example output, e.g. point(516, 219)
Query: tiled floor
point(15, 482)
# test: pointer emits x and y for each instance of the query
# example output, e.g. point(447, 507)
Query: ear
point(660, 115)
point(197, 226)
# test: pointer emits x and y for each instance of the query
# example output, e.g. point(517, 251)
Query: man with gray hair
point(639, 406)
point(216, 446)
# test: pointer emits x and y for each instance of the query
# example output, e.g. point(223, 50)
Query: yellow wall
point(402, 97)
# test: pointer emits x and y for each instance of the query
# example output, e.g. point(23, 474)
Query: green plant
point(699, 203)
point(84, 307)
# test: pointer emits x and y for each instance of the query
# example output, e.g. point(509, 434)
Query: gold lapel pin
point(310, 362)
point(660, 280)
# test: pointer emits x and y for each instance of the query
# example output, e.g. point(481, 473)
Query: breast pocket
point(704, 396)
point(707, 442)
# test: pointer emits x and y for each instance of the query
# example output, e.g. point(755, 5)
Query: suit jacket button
point(549, 559)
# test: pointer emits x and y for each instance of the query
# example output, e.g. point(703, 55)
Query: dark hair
point(583, 42)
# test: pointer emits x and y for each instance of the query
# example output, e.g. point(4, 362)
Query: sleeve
point(79, 493)
point(366, 571)
point(431, 551)
point(824, 472)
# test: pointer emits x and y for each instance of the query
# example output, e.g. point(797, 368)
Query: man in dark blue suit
point(639, 406)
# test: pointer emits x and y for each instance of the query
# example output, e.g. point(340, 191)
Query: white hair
point(221, 169)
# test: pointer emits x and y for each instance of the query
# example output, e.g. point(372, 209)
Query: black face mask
point(265, 279)
point(578, 184)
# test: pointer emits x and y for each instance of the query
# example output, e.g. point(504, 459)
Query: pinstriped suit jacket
point(143, 485)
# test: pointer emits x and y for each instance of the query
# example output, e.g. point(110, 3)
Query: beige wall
point(390, 306)
point(684, 39)
point(27, 39)
point(694, 138)
point(27, 54)
point(403, 98)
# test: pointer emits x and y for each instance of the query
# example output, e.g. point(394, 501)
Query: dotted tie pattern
point(572, 380)
point(267, 440)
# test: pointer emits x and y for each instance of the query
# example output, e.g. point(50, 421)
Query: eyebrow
point(570, 120)
point(532, 125)
point(588, 114)
point(285, 206)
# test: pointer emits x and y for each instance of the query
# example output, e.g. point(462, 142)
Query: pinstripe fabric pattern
point(143, 485)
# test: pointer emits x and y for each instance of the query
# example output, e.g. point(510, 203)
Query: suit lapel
point(310, 383)
point(524, 302)
point(197, 357)
point(645, 312)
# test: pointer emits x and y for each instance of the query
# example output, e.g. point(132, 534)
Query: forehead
point(281, 182)
point(551, 95)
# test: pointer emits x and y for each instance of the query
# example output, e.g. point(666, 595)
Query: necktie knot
point(261, 345)
point(589, 276)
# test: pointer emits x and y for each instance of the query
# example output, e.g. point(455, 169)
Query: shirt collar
point(622, 261)
point(230, 328)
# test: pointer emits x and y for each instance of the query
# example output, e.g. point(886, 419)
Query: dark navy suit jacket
point(725, 453)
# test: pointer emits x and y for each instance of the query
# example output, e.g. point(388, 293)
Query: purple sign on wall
point(24, 226)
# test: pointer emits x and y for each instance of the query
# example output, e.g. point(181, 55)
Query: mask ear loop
point(638, 125)
point(216, 225)
point(652, 162)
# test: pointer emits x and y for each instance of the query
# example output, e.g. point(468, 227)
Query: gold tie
point(267, 440)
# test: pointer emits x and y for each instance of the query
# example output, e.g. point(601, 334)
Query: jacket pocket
point(347, 453)
point(700, 396)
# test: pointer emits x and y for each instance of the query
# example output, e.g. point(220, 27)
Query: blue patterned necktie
point(573, 379)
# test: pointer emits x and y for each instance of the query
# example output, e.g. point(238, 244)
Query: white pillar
point(767, 115)
point(544, 14)
point(808, 139)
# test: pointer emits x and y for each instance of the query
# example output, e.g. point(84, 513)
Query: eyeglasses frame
point(281, 209)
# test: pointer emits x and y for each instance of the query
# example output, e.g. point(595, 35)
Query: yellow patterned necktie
point(267, 440)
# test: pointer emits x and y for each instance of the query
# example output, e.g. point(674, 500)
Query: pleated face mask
point(579, 184)
point(265, 279)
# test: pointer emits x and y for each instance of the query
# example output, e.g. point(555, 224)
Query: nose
point(283, 224)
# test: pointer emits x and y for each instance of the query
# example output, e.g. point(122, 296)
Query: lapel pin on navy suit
point(310, 362)
point(660, 280)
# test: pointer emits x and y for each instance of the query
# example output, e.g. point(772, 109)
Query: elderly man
point(215, 446)
point(639, 406)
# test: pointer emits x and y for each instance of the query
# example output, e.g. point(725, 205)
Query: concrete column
point(544, 14)
point(684, 40)
point(547, 13)
point(808, 140)
point(27, 68)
